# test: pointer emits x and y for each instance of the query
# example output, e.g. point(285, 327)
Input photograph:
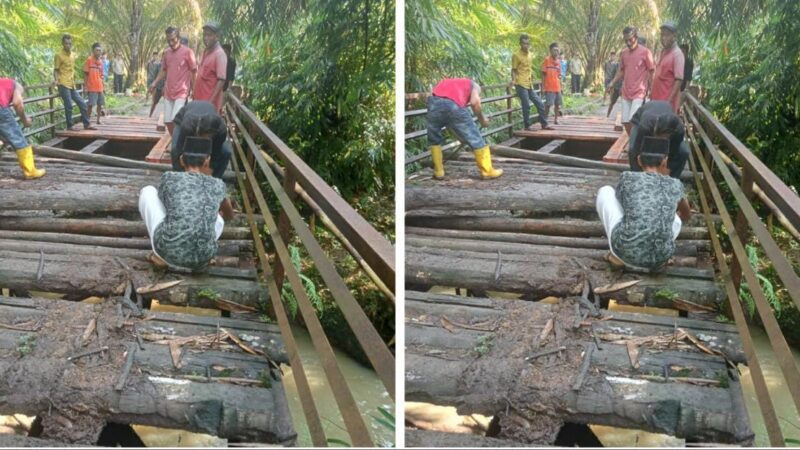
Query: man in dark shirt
point(231, 72)
point(657, 119)
point(200, 119)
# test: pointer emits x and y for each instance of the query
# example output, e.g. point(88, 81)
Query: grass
point(26, 344)
point(483, 344)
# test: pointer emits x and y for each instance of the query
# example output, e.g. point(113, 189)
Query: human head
point(666, 125)
point(654, 153)
point(154, 55)
point(668, 32)
point(173, 37)
point(629, 35)
point(66, 42)
point(97, 50)
point(641, 41)
point(184, 41)
point(554, 50)
point(524, 42)
point(613, 55)
point(210, 31)
point(196, 158)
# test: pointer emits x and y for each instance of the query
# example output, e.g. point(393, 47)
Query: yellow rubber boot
point(484, 159)
point(25, 157)
point(438, 164)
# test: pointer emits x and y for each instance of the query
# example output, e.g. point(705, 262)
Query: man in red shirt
point(551, 82)
point(179, 67)
point(213, 69)
point(669, 70)
point(11, 132)
point(447, 107)
point(636, 70)
point(93, 80)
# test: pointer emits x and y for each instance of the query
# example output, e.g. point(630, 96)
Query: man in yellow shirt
point(521, 77)
point(64, 74)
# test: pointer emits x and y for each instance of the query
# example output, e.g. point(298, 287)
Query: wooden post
point(52, 111)
point(510, 112)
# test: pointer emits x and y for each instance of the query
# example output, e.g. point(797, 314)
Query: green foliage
point(308, 284)
point(723, 378)
point(265, 378)
point(386, 419)
point(483, 344)
point(321, 74)
point(748, 55)
point(766, 285)
point(665, 294)
point(338, 442)
point(209, 293)
point(26, 344)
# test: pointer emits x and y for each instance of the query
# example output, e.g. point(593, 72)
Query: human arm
point(226, 210)
point(193, 67)
point(651, 69)
point(221, 70)
point(514, 71)
point(19, 105)
point(684, 210)
point(55, 69)
point(677, 68)
point(475, 104)
point(161, 75)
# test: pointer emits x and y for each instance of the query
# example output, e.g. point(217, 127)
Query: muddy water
point(365, 385)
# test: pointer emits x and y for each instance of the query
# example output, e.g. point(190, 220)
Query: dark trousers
point(526, 96)
point(576, 83)
point(676, 160)
point(118, 83)
point(220, 154)
point(71, 95)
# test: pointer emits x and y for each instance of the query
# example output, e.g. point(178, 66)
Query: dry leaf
point(633, 354)
point(227, 305)
point(175, 352)
point(548, 327)
point(241, 344)
point(447, 325)
point(157, 287)
point(615, 287)
point(88, 332)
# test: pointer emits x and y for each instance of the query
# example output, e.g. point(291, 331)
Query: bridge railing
point(497, 101)
point(289, 179)
point(715, 151)
point(43, 106)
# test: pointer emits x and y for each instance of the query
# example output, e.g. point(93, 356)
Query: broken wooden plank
point(94, 146)
point(551, 147)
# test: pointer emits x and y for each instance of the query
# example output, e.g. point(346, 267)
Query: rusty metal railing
point(289, 178)
point(713, 156)
point(418, 99)
point(51, 110)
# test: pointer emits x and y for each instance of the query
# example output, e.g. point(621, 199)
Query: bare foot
point(156, 260)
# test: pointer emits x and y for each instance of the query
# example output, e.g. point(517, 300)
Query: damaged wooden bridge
point(541, 331)
point(81, 341)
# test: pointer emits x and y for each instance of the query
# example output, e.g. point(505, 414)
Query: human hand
point(27, 122)
point(484, 122)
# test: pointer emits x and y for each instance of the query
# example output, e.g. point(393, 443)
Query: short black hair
point(171, 29)
point(613, 53)
point(226, 47)
point(524, 36)
point(194, 159)
point(651, 159)
point(96, 45)
point(630, 29)
point(65, 37)
point(184, 40)
point(642, 40)
point(155, 53)
point(666, 124)
point(553, 45)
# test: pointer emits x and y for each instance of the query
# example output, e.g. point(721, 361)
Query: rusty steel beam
point(759, 382)
point(370, 244)
point(777, 191)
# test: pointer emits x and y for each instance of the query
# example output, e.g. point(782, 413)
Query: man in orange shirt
point(93, 83)
point(551, 82)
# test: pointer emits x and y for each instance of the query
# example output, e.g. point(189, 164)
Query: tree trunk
point(440, 439)
point(501, 365)
point(135, 42)
point(592, 32)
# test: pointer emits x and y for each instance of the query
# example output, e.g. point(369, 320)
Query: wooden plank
point(160, 125)
point(618, 122)
point(55, 142)
point(618, 153)
point(552, 146)
point(94, 146)
point(161, 151)
point(568, 135)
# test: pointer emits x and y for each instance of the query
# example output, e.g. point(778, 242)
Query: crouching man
point(640, 217)
point(11, 132)
point(186, 214)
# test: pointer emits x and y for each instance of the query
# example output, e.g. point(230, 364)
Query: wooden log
point(518, 197)
point(529, 243)
point(442, 368)
point(82, 275)
point(154, 393)
point(547, 275)
point(551, 227)
point(18, 441)
point(22, 195)
point(439, 439)
point(97, 227)
point(102, 241)
point(105, 160)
